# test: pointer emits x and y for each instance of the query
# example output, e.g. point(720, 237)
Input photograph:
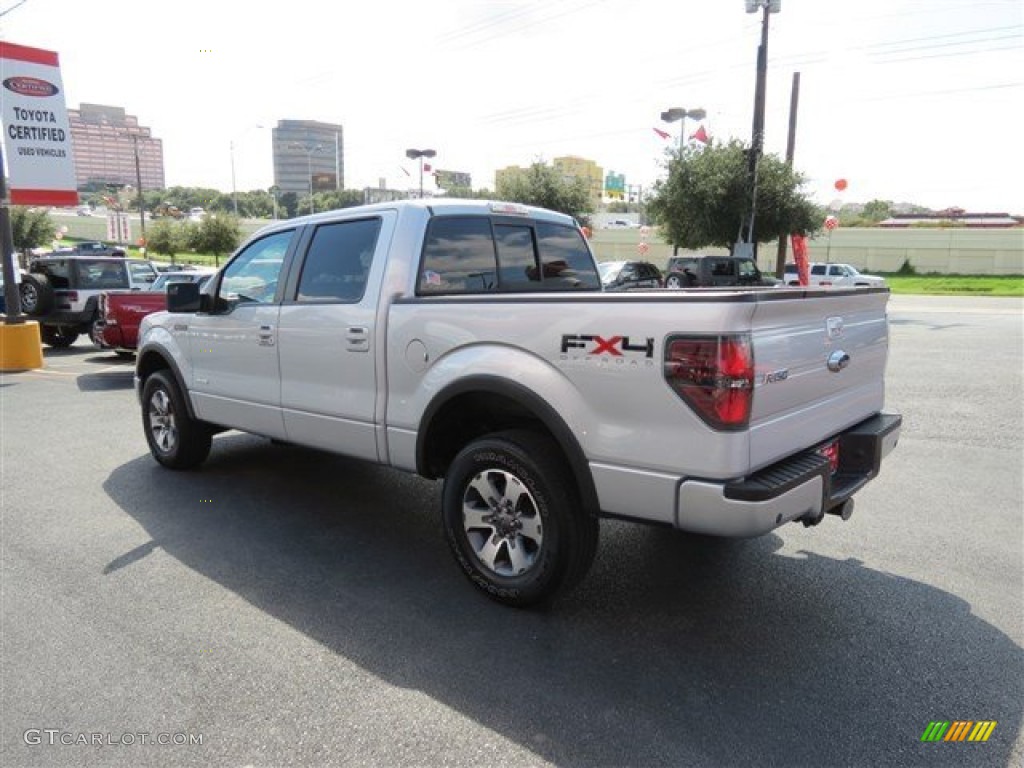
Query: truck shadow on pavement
point(675, 650)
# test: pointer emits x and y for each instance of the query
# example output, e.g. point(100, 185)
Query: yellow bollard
point(20, 346)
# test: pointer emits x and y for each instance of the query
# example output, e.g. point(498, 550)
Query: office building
point(572, 168)
point(308, 155)
point(106, 142)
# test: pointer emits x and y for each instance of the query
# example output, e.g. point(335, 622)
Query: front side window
point(338, 261)
point(747, 269)
point(252, 276)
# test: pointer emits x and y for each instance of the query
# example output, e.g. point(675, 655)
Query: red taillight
point(714, 375)
point(831, 452)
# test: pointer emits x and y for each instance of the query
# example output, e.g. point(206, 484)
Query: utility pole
point(138, 182)
point(746, 240)
point(794, 101)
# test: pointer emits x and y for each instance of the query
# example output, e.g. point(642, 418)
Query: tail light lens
point(108, 318)
point(714, 375)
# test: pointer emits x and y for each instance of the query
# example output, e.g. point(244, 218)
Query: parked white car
point(835, 275)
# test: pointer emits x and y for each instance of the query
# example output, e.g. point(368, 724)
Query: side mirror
point(183, 297)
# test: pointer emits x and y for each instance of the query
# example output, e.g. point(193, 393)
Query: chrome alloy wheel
point(161, 421)
point(502, 523)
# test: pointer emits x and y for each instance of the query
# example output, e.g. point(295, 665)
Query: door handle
point(357, 338)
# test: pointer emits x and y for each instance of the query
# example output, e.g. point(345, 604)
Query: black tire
point(530, 538)
point(58, 336)
point(674, 281)
point(175, 439)
point(36, 294)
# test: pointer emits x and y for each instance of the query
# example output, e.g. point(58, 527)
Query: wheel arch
point(480, 405)
point(149, 361)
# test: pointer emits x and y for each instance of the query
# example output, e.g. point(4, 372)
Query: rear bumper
point(801, 486)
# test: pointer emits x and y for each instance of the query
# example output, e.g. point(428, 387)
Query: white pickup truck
point(470, 341)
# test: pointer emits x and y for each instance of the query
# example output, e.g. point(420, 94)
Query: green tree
point(290, 202)
point(32, 227)
point(706, 198)
point(217, 234)
point(543, 186)
point(877, 210)
point(166, 238)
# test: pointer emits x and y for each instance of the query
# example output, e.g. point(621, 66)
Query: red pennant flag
point(663, 134)
point(700, 135)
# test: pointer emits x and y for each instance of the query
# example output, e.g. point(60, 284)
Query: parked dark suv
point(704, 271)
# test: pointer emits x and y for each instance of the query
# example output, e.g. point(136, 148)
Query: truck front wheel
point(175, 439)
point(513, 520)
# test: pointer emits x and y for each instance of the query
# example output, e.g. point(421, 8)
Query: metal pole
point(11, 295)
point(138, 181)
point(794, 100)
point(757, 141)
point(234, 189)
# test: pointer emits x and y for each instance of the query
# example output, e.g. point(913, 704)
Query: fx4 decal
point(614, 346)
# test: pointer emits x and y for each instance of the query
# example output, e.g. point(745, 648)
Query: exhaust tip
point(844, 510)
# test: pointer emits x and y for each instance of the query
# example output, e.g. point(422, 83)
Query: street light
point(413, 154)
point(757, 139)
point(309, 150)
point(680, 114)
point(234, 192)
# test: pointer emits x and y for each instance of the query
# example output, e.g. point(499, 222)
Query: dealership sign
point(37, 136)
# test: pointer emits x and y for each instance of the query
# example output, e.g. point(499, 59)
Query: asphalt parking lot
point(288, 607)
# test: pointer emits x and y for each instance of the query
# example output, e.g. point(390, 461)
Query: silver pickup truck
point(470, 341)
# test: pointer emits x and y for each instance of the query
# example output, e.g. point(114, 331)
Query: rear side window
point(723, 269)
point(567, 264)
point(468, 255)
point(338, 261)
point(104, 275)
point(818, 269)
point(459, 257)
point(58, 273)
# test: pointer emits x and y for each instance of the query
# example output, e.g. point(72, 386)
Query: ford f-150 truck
point(470, 341)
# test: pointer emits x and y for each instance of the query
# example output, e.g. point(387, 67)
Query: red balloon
point(841, 184)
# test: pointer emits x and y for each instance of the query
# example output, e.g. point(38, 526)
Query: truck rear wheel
point(513, 520)
point(175, 439)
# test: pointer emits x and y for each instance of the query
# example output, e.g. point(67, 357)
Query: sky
point(906, 100)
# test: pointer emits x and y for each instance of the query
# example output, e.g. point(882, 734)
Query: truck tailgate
point(819, 367)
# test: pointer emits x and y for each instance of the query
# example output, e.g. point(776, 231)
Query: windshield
point(609, 269)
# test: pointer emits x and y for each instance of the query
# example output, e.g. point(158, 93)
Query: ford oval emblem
point(30, 86)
